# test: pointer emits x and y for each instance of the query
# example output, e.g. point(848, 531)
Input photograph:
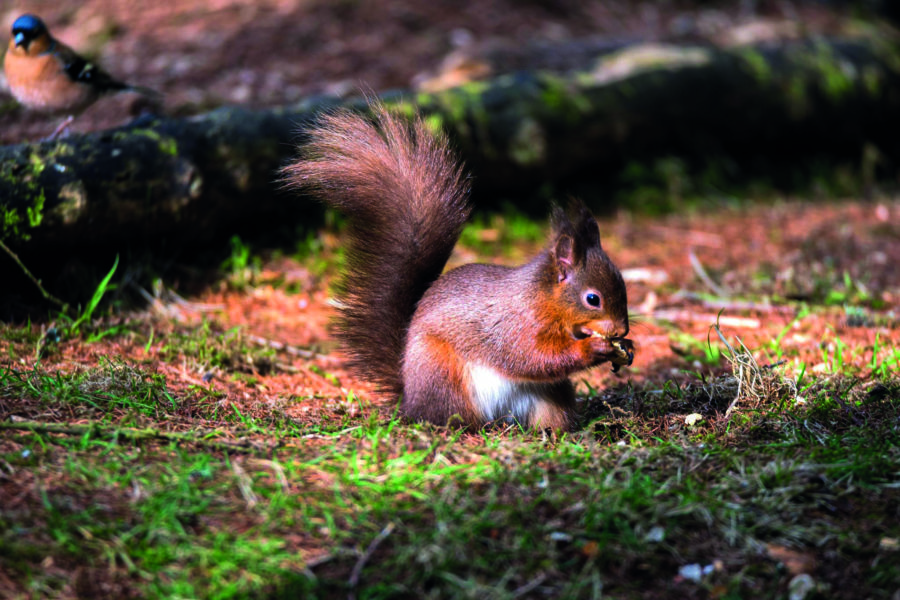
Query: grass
point(92, 393)
point(736, 480)
point(618, 508)
point(503, 233)
point(209, 347)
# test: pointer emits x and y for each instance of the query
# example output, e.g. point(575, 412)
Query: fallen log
point(194, 180)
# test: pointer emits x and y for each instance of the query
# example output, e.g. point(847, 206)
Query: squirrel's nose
point(619, 330)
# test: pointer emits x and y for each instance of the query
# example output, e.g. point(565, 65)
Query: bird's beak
point(19, 39)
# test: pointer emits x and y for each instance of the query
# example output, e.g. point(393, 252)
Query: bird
point(47, 76)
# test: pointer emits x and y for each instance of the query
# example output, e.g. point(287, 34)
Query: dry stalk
point(754, 383)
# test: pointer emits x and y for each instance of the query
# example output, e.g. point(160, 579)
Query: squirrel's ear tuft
point(575, 233)
point(586, 229)
point(567, 246)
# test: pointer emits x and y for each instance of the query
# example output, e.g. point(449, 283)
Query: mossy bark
point(211, 175)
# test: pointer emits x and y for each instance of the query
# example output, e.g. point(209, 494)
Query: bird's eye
point(592, 299)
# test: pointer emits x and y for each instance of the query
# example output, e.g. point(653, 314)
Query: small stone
point(800, 586)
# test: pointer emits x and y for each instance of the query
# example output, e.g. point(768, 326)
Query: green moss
point(37, 164)
point(835, 82)
point(584, 79)
point(563, 98)
point(423, 99)
point(435, 122)
point(27, 179)
point(402, 107)
point(167, 144)
point(11, 221)
point(529, 145)
point(474, 88)
point(797, 96)
point(464, 113)
point(459, 102)
point(888, 50)
point(453, 106)
point(60, 148)
point(757, 64)
point(872, 78)
point(554, 93)
point(834, 76)
point(36, 210)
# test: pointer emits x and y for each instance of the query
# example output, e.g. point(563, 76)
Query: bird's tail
point(144, 91)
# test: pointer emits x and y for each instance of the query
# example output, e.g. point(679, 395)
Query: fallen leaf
point(590, 549)
point(795, 561)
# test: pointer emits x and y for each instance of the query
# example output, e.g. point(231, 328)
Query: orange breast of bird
point(40, 83)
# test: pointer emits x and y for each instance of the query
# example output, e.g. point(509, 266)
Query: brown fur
point(481, 342)
point(405, 198)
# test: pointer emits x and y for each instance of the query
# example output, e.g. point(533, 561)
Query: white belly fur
point(496, 396)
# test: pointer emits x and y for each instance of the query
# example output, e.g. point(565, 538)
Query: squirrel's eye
point(592, 299)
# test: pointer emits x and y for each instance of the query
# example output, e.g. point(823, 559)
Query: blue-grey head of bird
point(26, 29)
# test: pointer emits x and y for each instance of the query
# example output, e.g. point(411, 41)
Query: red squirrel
point(480, 343)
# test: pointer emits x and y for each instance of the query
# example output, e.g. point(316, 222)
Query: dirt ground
point(838, 259)
point(206, 53)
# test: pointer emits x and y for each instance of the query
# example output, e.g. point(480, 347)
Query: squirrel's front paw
point(624, 355)
point(619, 351)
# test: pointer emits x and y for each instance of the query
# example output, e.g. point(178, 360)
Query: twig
point(47, 295)
point(737, 396)
point(685, 315)
point(704, 276)
point(720, 303)
point(328, 436)
point(244, 484)
point(358, 567)
point(130, 434)
point(276, 468)
point(529, 586)
point(853, 412)
point(324, 559)
point(284, 347)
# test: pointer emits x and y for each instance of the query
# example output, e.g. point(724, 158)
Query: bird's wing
point(83, 71)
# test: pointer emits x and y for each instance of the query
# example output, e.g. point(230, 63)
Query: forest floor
point(214, 445)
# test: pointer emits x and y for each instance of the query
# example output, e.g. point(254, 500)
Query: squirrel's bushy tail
point(405, 198)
